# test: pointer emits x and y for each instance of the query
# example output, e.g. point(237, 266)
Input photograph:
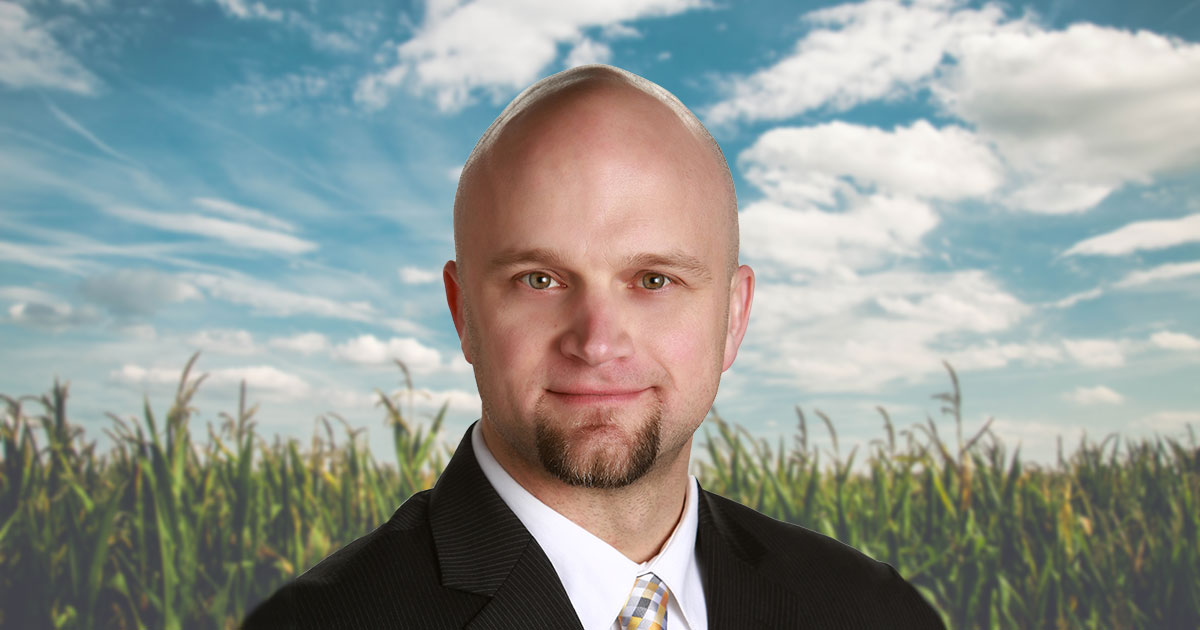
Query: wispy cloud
point(1098, 395)
point(270, 299)
point(370, 350)
point(1141, 235)
point(249, 10)
point(243, 213)
point(1174, 340)
point(36, 256)
point(137, 292)
point(230, 342)
point(77, 127)
point(1170, 271)
point(303, 343)
point(1100, 353)
point(258, 378)
point(320, 38)
point(53, 316)
point(497, 47)
point(31, 58)
point(417, 275)
point(230, 232)
point(856, 52)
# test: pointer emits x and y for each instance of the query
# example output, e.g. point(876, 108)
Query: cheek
point(689, 343)
point(513, 342)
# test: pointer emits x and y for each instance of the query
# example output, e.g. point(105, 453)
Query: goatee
point(601, 470)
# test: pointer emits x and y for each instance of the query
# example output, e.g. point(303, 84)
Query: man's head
point(596, 289)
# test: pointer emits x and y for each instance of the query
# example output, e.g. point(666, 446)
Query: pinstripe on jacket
point(456, 557)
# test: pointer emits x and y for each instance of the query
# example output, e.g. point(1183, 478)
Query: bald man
point(597, 294)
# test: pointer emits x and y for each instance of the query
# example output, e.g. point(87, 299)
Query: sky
point(1008, 188)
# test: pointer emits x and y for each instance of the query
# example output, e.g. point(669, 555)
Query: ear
point(454, 299)
point(741, 294)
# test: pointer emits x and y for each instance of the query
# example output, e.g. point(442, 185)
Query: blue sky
point(1010, 188)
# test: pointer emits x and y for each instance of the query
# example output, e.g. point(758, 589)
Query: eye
point(538, 280)
point(654, 281)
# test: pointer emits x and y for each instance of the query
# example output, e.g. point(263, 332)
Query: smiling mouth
point(597, 397)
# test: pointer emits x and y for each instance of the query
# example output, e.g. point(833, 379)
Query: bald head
point(592, 118)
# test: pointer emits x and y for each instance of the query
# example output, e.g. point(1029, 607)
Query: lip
point(592, 395)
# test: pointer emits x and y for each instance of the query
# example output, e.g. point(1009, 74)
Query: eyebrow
point(674, 260)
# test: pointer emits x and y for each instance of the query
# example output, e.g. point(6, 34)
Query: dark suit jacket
point(457, 557)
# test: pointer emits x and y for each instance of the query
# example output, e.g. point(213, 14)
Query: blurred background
point(1009, 190)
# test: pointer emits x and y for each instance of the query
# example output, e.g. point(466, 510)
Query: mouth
point(596, 396)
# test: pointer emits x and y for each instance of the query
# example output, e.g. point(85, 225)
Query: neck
point(636, 519)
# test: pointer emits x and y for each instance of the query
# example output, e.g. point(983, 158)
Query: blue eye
point(654, 281)
point(538, 280)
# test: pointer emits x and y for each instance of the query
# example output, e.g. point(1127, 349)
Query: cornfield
point(166, 531)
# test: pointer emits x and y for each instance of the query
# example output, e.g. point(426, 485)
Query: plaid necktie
point(646, 608)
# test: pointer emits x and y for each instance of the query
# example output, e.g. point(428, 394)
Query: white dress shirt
point(596, 576)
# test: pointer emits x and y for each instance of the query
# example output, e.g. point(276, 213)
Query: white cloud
point(1168, 271)
point(587, 51)
point(1098, 395)
point(459, 400)
point(51, 316)
point(266, 96)
point(1170, 421)
point(136, 374)
point(137, 292)
point(498, 46)
point(992, 355)
point(417, 275)
point(319, 38)
point(37, 256)
point(820, 162)
point(856, 52)
point(86, 134)
point(1075, 298)
point(31, 58)
point(844, 195)
point(231, 232)
point(1141, 235)
point(243, 213)
point(253, 10)
point(1074, 113)
point(1175, 341)
point(856, 333)
point(370, 350)
point(271, 300)
point(258, 378)
point(1078, 112)
point(224, 341)
point(139, 332)
point(28, 294)
point(303, 343)
point(1096, 353)
point(871, 232)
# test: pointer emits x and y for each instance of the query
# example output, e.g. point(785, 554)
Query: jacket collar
point(483, 548)
point(735, 591)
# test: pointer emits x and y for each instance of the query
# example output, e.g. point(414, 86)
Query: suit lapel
point(483, 548)
point(736, 595)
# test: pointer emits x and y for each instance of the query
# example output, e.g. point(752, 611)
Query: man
point(597, 293)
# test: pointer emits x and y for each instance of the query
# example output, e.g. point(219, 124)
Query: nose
point(597, 332)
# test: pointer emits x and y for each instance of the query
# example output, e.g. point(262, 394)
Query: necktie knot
point(646, 608)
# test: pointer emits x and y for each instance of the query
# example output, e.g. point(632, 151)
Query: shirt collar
point(596, 576)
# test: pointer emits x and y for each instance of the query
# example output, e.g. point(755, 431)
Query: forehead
point(597, 170)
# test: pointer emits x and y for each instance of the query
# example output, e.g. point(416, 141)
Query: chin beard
point(601, 470)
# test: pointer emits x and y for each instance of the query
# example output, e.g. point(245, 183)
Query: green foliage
point(164, 532)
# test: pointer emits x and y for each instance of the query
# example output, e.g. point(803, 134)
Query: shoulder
point(388, 574)
point(820, 568)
